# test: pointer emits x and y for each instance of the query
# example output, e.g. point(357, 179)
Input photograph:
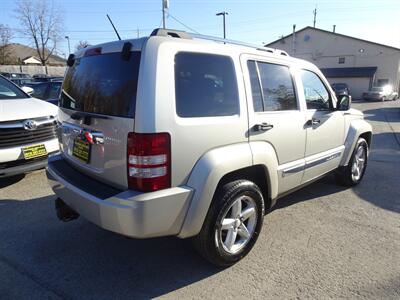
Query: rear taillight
point(149, 161)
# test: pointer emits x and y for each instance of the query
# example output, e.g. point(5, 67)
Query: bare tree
point(81, 45)
point(42, 23)
point(5, 37)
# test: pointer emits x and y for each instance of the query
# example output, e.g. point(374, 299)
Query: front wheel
point(232, 224)
point(353, 173)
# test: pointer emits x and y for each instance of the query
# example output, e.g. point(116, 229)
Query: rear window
point(102, 84)
point(205, 85)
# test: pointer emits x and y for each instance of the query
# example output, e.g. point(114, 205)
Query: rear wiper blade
point(80, 115)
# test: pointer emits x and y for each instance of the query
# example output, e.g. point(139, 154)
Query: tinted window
point(317, 96)
point(102, 84)
point(39, 90)
point(205, 85)
point(339, 86)
point(277, 87)
point(54, 90)
point(255, 86)
point(10, 91)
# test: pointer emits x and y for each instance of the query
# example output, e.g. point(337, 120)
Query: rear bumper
point(130, 213)
point(373, 97)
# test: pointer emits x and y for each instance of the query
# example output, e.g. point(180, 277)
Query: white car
point(381, 93)
point(27, 130)
point(195, 137)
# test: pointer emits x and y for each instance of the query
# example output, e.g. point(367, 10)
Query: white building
point(359, 63)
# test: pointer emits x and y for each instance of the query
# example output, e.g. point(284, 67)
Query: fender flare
point(356, 128)
point(207, 173)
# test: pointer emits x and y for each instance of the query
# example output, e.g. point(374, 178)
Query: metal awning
point(350, 72)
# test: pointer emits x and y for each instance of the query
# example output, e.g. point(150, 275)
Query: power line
point(191, 29)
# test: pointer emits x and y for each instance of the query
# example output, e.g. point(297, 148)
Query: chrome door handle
point(263, 127)
point(313, 122)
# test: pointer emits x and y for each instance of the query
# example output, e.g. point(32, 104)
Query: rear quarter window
point(205, 85)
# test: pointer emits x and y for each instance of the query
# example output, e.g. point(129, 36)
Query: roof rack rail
point(171, 33)
point(186, 35)
point(233, 42)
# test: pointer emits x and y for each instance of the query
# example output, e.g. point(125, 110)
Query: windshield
point(377, 89)
point(39, 90)
point(339, 86)
point(10, 91)
point(102, 84)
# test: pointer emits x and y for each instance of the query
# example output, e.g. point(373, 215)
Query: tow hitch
point(64, 212)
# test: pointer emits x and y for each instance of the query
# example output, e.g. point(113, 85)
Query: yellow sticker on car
point(34, 151)
point(81, 150)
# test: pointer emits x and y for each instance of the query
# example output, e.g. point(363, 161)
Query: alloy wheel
point(237, 225)
point(358, 163)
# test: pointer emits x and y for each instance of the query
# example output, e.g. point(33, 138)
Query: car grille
point(17, 133)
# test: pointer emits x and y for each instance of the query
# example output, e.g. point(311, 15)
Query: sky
point(256, 22)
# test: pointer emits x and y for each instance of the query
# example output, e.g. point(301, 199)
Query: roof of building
point(21, 52)
point(332, 33)
point(349, 72)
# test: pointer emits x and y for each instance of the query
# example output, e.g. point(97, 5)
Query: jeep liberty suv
point(190, 136)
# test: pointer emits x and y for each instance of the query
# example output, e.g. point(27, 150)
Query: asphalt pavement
point(321, 242)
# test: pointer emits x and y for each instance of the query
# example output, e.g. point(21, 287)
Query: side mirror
point(27, 90)
point(344, 102)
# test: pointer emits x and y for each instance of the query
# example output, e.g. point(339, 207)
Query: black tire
point(344, 176)
point(209, 241)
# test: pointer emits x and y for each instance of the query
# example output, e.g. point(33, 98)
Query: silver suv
point(181, 135)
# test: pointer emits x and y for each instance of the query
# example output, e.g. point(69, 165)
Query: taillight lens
point(149, 161)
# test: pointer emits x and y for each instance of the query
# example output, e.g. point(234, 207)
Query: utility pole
point(138, 33)
point(294, 40)
point(165, 6)
point(69, 47)
point(334, 28)
point(315, 15)
point(223, 14)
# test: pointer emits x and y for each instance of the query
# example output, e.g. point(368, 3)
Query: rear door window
point(102, 84)
point(277, 87)
point(205, 85)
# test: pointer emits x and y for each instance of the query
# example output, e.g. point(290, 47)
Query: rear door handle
point(263, 127)
point(313, 122)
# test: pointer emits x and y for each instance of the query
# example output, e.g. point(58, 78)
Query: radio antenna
point(112, 24)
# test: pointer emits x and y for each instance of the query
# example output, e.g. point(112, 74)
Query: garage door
point(357, 85)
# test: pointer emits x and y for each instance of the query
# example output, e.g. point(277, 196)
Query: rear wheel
point(353, 173)
point(232, 224)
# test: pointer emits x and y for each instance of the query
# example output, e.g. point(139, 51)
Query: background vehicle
point(48, 91)
point(19, 79)
point(27, 130)
point(340, 89)
point(380, 93)
point(46, 78)
point(191, 136)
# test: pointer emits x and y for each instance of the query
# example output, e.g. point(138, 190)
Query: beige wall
point(32, 70)
point(324, 49)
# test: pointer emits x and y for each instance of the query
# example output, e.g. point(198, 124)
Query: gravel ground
point(321, 242)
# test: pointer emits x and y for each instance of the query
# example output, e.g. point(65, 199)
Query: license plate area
point(34, 151)
point(81, 150)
